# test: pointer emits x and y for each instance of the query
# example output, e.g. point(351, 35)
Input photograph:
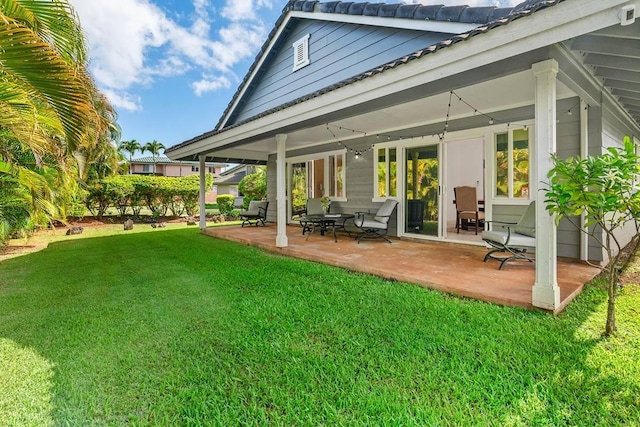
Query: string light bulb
point(358, 154)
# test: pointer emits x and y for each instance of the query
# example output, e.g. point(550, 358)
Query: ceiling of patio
point(515, 90)
point(613, 56)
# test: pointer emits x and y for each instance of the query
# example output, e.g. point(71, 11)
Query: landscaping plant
point(225, 203)
point(605, 189)
point(254, 186)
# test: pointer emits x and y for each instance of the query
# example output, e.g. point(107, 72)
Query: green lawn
point(176, 328)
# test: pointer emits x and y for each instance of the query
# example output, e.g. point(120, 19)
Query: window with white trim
point(386, 173)
point(323, 174)
point(511, 177)
point(301, 53)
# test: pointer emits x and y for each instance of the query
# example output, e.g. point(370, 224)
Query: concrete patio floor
point(449, 267)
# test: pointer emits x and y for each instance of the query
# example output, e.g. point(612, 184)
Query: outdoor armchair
point(314, 207)
point(375, 226)
point(513, 240)
point(255, 214)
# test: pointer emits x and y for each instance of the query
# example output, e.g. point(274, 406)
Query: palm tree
point(45, 88)
point(50, 109)
point(130, 147)
point(154, 148)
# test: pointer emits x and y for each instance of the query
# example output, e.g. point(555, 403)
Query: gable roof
point(494, 18)
point(233, 175)
point(372, 13)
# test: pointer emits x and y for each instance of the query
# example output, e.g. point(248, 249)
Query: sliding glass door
point(422, 196)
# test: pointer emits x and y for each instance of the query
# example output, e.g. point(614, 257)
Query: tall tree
point(154, 148)
point(49, 104)
point(130, 147)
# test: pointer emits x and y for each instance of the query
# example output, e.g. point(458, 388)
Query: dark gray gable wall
point(337, 52)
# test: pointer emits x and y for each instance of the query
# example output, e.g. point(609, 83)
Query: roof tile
point(308, 6)
point(329, 7)
point(407, 11)
point(388, 10)
point(343, 7)
point(357, 8)
point(450, 13)
point(428, 13)
point(371, 9)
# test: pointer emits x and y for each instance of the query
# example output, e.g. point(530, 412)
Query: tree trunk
point(610, 327)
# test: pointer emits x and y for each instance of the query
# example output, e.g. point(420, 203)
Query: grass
point(176, 328)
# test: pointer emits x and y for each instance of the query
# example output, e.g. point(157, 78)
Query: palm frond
point(38, 66)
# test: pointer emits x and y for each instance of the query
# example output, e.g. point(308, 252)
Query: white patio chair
point(375, 226)
point(255, 214)
point(514, 240)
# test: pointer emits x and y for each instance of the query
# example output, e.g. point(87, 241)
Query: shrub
point(254, 186)
point(225, 203)
point(159, 194)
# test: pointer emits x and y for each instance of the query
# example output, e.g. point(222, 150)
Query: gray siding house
point(227, 182)
point(368, 101)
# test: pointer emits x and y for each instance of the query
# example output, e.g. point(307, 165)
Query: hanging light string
point(492, 120)
point(356, 152)
point(475, 110)
point(441, 135)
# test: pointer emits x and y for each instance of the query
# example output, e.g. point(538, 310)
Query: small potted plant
point(325, 201)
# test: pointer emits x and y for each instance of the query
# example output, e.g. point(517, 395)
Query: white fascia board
point(238, 153)
point(378, 21)
point(562, 22)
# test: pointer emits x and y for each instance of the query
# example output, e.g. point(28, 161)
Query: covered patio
point(449, 267)
point(477, 102)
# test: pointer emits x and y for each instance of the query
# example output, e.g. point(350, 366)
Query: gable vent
point(301, 53)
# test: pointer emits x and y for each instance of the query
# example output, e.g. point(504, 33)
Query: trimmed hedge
point(129, 193)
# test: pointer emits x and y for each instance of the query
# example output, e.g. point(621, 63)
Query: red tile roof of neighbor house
point(487, 18)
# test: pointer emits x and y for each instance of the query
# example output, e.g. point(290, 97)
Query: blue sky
point(170, 67)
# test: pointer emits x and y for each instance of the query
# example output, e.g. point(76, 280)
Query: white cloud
point(208, 84)
point(133, 42)
point(240, 10)
point(123, 100)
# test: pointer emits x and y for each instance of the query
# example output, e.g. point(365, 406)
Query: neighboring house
point(168, 167)
point(366, 101)
point(228, 181)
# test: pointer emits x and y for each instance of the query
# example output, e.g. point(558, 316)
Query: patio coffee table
point(323, 222)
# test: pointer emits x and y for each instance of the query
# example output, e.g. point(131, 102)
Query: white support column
point(281, 196)
point(203, 191)
point(546, 293)
point(584, 152)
